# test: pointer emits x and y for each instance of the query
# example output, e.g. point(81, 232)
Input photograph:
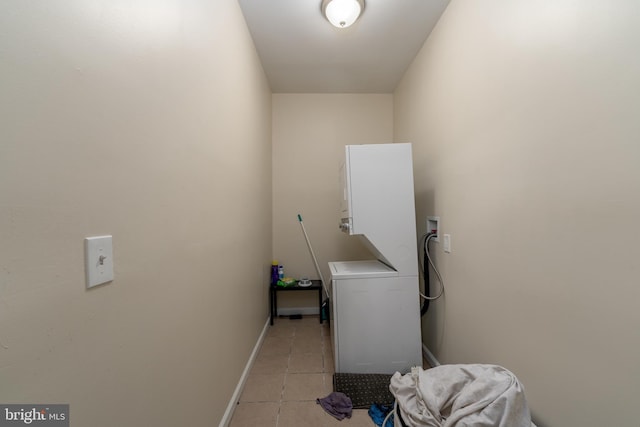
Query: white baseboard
point(231, 407)
point(288, 311)
point(430, 358)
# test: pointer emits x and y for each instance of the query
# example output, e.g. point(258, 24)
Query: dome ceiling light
point(342, 13)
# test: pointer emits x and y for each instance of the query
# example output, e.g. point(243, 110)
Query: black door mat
point(364, 389)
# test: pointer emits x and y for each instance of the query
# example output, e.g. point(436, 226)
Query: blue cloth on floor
point(379, 412)
point(337, 404)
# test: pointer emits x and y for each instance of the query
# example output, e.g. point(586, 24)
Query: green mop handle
point(313, 255)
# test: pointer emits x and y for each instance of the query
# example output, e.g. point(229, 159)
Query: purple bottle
point(274, 273)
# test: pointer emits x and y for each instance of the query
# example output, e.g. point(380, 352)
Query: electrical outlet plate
point(433, 223)
point(98, 260)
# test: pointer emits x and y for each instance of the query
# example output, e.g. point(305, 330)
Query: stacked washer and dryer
point(375, 303)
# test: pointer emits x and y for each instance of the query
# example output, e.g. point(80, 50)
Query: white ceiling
point(301, 52)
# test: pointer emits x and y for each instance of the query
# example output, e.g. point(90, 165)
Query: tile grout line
point(284, 379)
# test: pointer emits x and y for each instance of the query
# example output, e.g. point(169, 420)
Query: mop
point(324, 312)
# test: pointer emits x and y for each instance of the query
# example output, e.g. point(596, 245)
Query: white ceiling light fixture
point(342, 13)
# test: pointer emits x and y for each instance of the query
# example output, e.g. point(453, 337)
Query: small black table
point(316, 285)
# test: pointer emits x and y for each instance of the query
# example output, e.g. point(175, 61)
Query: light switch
point(447, 243)
point(98, 260)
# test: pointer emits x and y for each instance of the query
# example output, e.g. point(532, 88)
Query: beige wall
point(151, 122)
point(309, 135)
point(524, 117)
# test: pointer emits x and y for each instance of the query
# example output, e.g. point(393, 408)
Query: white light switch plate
point(447, 243)
point(98, 260)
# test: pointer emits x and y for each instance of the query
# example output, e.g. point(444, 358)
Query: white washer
point(375, 318)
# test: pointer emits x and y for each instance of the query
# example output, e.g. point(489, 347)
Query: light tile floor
point(293, 368)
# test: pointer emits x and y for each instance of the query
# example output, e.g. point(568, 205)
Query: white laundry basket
point(460, 396)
